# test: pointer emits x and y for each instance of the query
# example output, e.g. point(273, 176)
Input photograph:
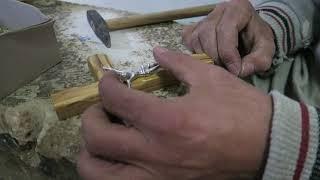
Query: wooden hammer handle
point(154, 18)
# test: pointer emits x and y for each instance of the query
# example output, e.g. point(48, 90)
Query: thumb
point(260, 58)
point(182, 66)
point(254, 63)
point(231, 58)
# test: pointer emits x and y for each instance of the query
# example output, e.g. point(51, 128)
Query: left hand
point(219, 130)
point(235, 35)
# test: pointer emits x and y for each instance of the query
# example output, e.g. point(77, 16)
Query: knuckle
point(240, 3)
point(195, 42)
point(186, 30)
point(220, 28)
point(191, 39)
point(195, 35)
point(267, 29)
point(214, 15)
point(80, 160)
point(81, 167)
point(209, 43)
point(248, 69)
point(235, 1)
point(186, 34)
point(262, 63)
point(85, 119)
point(243, 7)
point(225, 30)
point(102, 84)
point(227, 56)
point(207, 29)
point(93, 143)
point(266, 64)
point(221, 5)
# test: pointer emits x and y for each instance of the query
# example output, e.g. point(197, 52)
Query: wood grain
point(155, 18)
point(96, 63)
point(74, 101)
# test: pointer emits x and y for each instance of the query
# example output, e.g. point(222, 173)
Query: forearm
point(293, 22)
point(294, 141)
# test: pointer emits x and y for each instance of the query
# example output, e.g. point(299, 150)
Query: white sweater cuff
point(294, 140)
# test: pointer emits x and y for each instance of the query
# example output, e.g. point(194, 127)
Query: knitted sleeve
point(294, 152)
point(294, 23)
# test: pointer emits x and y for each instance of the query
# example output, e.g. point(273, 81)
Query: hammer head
point(99, 26)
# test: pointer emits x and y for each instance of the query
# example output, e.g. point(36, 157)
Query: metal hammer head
point(99, 26)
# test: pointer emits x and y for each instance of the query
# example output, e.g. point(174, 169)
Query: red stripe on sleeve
point(304, 144)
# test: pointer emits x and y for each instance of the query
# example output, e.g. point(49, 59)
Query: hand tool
point(102, 28)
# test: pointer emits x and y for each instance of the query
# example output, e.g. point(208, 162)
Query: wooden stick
point(74, 101)
point(96, 63)
point(159, 17)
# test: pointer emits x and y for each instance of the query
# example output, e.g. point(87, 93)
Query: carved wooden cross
point(74, 101)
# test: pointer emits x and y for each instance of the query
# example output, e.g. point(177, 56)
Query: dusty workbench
point(40, 146)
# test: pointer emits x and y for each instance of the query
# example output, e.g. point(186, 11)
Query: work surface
point(40, 140)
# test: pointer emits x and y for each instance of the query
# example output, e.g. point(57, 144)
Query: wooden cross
point(74, 101)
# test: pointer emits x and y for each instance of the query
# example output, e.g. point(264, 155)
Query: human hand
point(236, 36)
point(219, 130)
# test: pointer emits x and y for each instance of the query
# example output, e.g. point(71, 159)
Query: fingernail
point(160, 50)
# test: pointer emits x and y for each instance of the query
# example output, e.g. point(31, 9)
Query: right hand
point(218, 130)
point(219, 35)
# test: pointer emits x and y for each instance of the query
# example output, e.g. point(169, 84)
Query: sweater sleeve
point(293, 23)
point(294, 141)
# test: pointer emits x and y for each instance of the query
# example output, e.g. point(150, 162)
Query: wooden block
point(74, 101)
point(96, 63)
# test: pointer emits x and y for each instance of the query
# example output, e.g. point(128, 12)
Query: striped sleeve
point(294, 141)
point(292, 22)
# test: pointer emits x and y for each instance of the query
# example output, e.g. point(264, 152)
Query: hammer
point(102, 28)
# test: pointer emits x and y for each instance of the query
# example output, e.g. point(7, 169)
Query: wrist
point(268, 102)
point(259, 141)
point(264, 158)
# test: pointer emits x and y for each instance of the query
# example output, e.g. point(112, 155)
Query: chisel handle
point(159, 17)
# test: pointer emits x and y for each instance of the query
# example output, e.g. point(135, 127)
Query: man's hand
point(219, 130)
point(235, 35)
